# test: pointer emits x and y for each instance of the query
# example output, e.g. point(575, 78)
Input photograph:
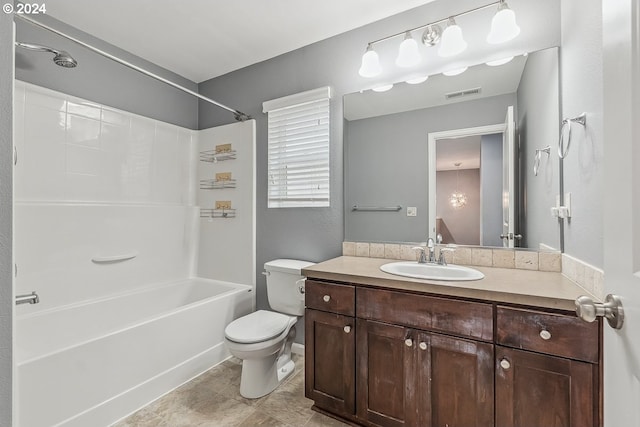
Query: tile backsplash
point(483, 257)
point(587, 276)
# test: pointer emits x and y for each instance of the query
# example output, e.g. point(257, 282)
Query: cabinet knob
point(545, 335)
point(408, 342)
point(326, 298)
point(347, 329)
point(505, 364)
point(423, 346)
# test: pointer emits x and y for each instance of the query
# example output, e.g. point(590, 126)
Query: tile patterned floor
point(213, 399)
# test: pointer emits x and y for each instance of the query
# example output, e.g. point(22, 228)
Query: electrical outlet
point(412, 211)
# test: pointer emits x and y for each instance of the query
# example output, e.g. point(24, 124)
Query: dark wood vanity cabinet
point(330, 346)
point(379, 357)
point(408, 377)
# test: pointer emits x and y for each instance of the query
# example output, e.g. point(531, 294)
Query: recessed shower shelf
point(217, 184)
point(214, 156)
point(217, 213)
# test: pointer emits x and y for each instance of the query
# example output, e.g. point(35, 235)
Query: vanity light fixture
point(498, 62)
point(455, 72)
point(370, 63)
point(503, 25)
point(417, 80)
point(382, 88)
point(451, 41)
point(408, 53)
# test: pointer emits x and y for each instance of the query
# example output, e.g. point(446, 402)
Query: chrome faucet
point(432, 250)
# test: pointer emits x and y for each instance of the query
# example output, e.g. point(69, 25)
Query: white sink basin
point(431, 271)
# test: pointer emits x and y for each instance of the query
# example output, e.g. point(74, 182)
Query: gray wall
point(6, 211)
point(313, 234)
point(538, 124)
point(491, 189)
point(463, 223)
point(386, 163)
point(102, 80)
point(582, 91)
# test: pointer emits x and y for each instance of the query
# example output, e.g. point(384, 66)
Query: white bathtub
point(92, 364)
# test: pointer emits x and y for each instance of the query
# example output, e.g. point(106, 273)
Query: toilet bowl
point(263, 339)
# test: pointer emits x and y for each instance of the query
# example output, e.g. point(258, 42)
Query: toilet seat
point(259, 326)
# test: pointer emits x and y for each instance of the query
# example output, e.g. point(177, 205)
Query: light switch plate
point(412, 211)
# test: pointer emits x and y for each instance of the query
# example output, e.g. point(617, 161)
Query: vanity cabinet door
point(330, 361)
point(455, 381)
point(386, 362)
point(542, 390)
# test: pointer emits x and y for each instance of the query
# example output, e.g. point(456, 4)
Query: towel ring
point(536, 161)
point(582, 119)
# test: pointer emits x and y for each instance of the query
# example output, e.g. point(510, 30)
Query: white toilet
point(263, 338)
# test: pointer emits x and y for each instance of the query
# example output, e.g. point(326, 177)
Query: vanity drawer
point(555, 334)
point(330, 297)
point(456, 317)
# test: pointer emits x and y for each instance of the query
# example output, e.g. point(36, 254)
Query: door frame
point(432, 138)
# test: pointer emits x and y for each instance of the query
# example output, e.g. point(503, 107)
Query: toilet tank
point(283, 291)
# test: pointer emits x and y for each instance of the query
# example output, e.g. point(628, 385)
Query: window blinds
point(298, 149)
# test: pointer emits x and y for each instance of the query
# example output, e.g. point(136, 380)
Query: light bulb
point(408, 53)
point(499, 61)
point(370, 64)
point(452, 41)
point(503, 25)
point(455, 72)
point(417, 80)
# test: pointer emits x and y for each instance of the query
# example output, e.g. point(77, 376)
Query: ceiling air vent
point(460, 94)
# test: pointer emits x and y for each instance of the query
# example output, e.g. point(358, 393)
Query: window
point(298, 149)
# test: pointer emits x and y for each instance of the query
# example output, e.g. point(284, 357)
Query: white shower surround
point(94, 182)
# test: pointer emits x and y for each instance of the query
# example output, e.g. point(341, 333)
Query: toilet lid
point(258, 326)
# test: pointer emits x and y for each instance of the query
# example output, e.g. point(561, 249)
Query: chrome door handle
point(612, 310)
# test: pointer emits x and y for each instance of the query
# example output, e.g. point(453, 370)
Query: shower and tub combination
point(130, 289)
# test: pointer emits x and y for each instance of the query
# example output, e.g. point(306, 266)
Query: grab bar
point(536, 162)
point(376, 208)
point(581, 119)
point(113, 258)
point(31, 298)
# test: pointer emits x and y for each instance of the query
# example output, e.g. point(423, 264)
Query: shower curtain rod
point(239, 115)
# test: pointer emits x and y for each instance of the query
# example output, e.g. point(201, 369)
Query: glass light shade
point(408, 53)
point(417, 80)
point(370, 64)
point(458, 200)
point(382, 88)
point(452, 41)
point(455, 72)
point(503, 25)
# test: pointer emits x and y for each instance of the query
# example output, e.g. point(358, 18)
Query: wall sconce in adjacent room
point(451, 41)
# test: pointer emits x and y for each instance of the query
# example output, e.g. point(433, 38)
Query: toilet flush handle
point(301, 284)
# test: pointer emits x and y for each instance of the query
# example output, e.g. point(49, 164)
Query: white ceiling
point(202, 39)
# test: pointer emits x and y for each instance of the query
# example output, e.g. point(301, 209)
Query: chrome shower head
point(65, 60)
point(61, 58)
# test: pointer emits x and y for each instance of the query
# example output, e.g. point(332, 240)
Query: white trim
point(297, 98)
point(431, 153)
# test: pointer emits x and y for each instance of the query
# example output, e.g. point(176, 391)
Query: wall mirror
point(410, 151)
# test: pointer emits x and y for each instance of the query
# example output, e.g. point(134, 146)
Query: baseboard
point(297, 349)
